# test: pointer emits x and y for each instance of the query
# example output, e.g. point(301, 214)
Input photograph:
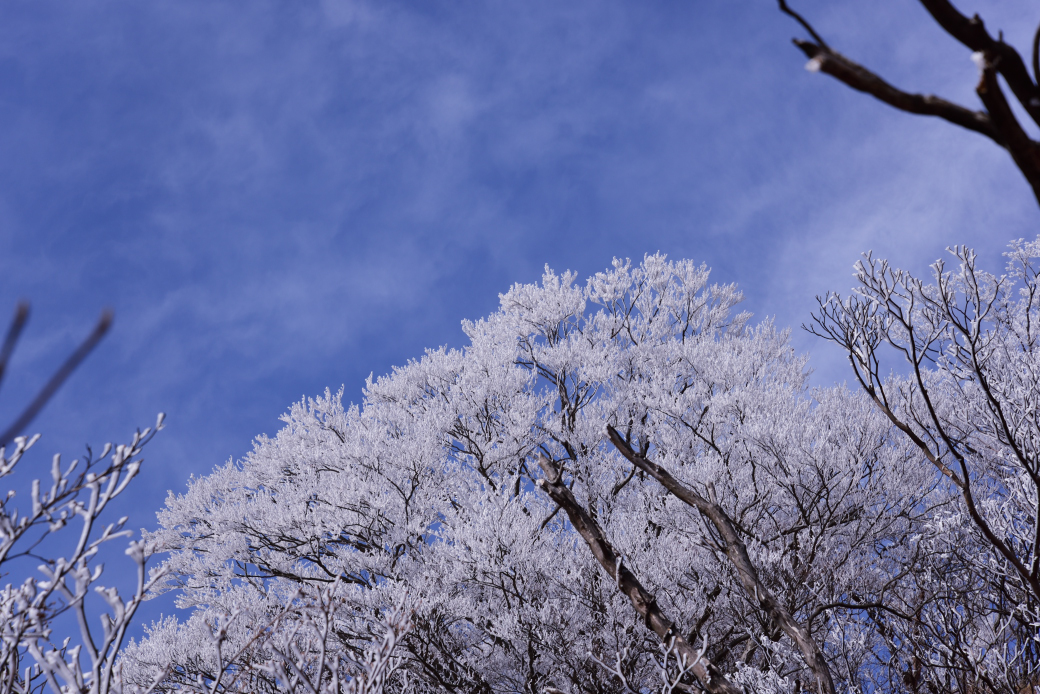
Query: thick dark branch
point(710, 678)
point(972, 33)
point(1024, 151)
point(997, 123)
point(861, 79)
point(1036, 54)
point(738, 555)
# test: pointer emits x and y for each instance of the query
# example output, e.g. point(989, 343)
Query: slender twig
point(549, 518)
point(21, 316)
point(805, 25)
point(621, 485)
point(59, 377)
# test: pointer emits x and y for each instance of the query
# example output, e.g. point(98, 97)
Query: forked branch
point(738, 555)
point(60, 376)
point(995, 57)
point(709, 677)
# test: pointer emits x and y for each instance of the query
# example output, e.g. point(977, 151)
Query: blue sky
point(279, 197)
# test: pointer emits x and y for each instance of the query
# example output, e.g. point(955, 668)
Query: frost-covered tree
point(52, 636)
point(62, 530)
point(32, 653)
point(970, 404)
point(621, 486)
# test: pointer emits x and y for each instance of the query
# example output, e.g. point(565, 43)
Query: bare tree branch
point(1036, 54)
point(51, 387)
point(21, 316)
point(973, 34)
point(1022, 149)
point(997, 122)
point(805, 25)
point(861, 79)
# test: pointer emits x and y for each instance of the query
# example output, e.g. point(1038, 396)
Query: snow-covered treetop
point(624, 485)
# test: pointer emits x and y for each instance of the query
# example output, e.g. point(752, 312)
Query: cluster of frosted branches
point(673, 669)
point(811, 512)
point(32, 658)
point(284, 649)
point(627, 486)
point(968, 345)
point(67, 508)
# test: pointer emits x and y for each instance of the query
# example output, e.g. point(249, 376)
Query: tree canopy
point(627, 485)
